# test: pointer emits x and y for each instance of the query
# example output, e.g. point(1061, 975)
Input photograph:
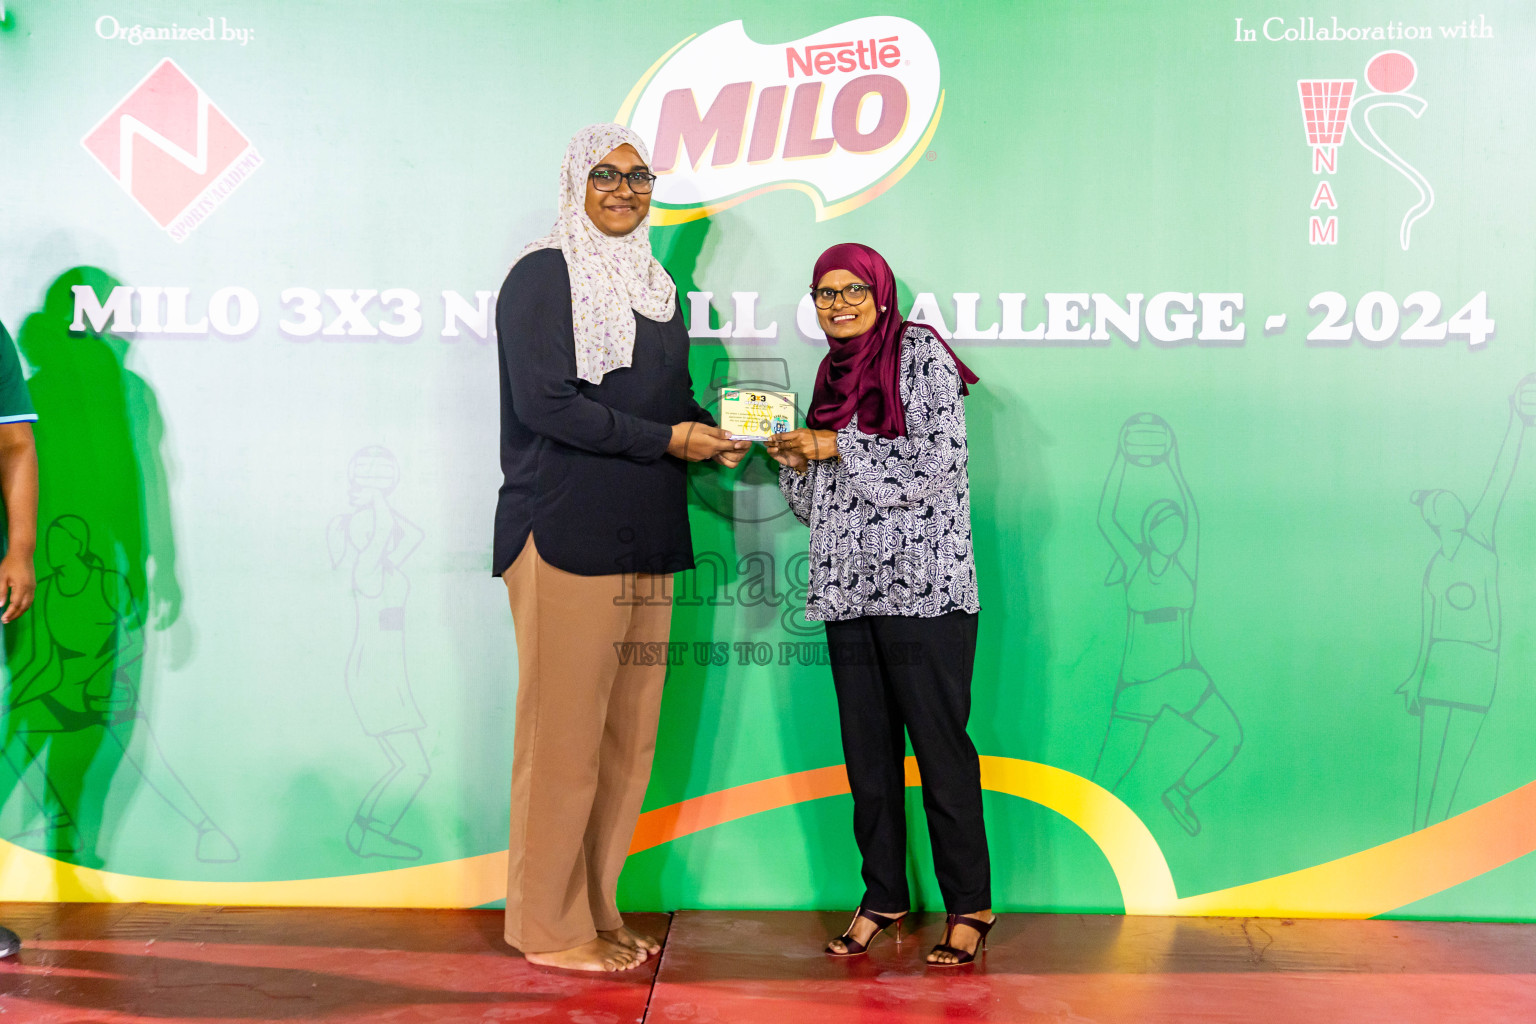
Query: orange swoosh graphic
point(1365, 884)
point(665, 824)
point(1133, 854)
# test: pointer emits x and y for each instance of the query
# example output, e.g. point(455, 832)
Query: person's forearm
point(563, 414)
point(797, 487)
point(18, 486)
point(886, 475)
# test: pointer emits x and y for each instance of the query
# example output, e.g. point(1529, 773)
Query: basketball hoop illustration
point(1325, 109)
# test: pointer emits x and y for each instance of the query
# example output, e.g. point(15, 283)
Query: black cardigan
point(585, 465)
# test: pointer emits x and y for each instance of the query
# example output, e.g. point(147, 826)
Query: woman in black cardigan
point(597, 421)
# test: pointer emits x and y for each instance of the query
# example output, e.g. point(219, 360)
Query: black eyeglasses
point(853, 294)
point(606, 179)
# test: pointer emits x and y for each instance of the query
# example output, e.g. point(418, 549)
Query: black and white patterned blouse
point(890, 518)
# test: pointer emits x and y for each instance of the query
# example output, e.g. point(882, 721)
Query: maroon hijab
point(863, 374)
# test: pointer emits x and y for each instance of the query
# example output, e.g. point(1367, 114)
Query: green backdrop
point(250, 288)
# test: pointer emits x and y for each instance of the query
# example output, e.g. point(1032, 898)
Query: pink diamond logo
point(172, 149)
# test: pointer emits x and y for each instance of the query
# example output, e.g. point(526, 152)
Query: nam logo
point(172, 150)
point(1330, 107)
point(840, 115)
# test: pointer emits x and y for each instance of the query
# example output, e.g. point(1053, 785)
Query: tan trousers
point(581, 754)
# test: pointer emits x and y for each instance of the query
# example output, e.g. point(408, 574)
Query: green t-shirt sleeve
point(15, 401)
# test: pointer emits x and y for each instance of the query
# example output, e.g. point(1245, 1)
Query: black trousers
point(897, 675)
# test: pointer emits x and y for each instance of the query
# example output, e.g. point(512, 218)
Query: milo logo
point(840, 115)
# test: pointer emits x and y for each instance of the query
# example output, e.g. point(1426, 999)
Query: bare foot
point(862, 931)
point(597, 955)
point(627, 937)
point(962, 937)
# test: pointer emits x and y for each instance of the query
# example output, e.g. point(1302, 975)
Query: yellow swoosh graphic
point(1364, 884)
point(469, 882)
point(1392, 875)
point(628, 106)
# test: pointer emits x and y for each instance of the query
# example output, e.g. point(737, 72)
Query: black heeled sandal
point(962, 956)
point(852, 946)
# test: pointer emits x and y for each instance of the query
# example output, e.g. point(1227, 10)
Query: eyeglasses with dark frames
point(853, 295)
point(606, 179)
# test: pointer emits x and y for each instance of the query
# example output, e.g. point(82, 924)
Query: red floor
point(118, 963)
point(746, 968)
point(103, 963)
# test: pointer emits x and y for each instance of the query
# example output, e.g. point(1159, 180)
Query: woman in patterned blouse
point(879, 475)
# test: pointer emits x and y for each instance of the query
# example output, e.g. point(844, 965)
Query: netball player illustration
point(1158, 566)
point(375, 540)
point(1451, 686)
point(76, 690)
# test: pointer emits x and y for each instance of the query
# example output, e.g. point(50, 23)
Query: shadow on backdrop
point(106, 576)
point(648, 878)
point(753, 591)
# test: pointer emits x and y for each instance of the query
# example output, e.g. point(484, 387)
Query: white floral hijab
point(609, 276)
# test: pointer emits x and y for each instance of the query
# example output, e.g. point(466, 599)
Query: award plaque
point(750, 414)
